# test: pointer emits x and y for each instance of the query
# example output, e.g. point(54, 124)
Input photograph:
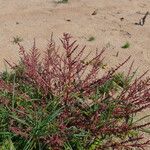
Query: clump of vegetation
point(91, 38)
point(17, 40)
point(60, 103)
point(126, 45)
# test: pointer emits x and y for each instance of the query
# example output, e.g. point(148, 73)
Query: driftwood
point(95, 12)
point(142, 20)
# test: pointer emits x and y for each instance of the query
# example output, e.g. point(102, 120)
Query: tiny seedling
point(103, 66)
point(62, 1)
point(17, 40)
point(91, 38)
point(126, 45)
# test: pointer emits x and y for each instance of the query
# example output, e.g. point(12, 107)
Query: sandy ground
point(112, 26)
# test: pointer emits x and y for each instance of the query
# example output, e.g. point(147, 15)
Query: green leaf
point(50, 118)
point(7, 145)
point(19, 120)
point(126, 45)
point(145, 130)
point(29, 145)
point(5, 133)
point(96, 144)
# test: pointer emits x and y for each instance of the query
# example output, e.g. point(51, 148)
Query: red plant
point(81, 92)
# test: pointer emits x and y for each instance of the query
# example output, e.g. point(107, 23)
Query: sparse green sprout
point(17, 40)
point(126, 45)
point(103, 66)
point(121, 80)
point(117, 82)
point(91, 38)
point(62, 1)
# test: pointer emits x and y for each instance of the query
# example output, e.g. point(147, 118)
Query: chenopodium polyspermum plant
point(62, 102)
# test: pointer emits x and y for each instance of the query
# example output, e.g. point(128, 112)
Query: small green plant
point(62, 1)
point(126, 45)
point(103, 65)
point(91, 38)
point(17, 40)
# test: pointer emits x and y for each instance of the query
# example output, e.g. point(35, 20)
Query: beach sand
point(112, 26)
